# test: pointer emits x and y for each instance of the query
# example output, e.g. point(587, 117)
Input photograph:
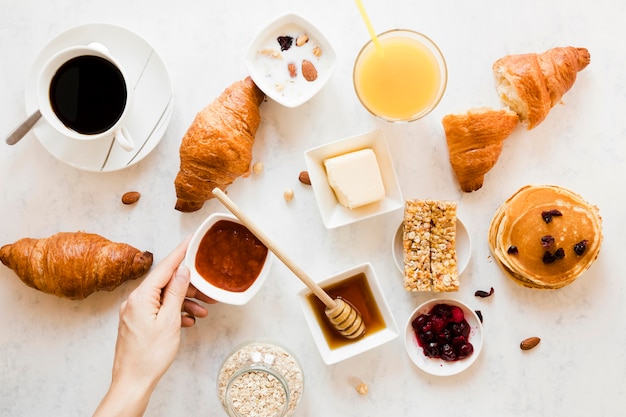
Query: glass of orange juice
point(402, 80)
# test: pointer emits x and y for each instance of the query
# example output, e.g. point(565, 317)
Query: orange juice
point(404, 80)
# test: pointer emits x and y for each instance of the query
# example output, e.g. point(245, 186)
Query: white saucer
point(151, 107)
point(463, 247)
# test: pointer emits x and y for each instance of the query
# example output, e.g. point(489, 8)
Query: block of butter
point(355, 178)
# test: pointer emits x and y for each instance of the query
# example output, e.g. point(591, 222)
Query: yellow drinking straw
point(368, 24)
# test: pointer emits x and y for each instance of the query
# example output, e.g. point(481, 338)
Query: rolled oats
point(258, 373)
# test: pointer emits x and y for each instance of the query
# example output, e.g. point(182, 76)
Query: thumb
point(175, 291)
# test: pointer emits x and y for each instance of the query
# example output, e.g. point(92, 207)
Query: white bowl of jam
point(227, 262)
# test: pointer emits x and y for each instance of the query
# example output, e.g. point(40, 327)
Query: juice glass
point(402, 81)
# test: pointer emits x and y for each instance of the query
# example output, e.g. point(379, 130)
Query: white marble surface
point(56, 355)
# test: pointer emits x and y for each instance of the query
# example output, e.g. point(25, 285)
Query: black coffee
point(88, 94)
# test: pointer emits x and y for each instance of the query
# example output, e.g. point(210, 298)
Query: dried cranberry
point(580, 247)
point(547, 215)
point(479, 314)
point(512, 250)
point(559, 253)
point(483, 294)
point(285, 42)
point(548, 257)
point(547, 241)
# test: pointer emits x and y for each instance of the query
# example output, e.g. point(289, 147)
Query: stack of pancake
point(545, 236)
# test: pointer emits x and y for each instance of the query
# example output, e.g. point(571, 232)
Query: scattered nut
point(317, 51)
point(131, 197)
point(529, 343)
point(302, 39)
point(304, 178)
point(279, 86)
point(292, 69)
point(308, 70)
point(271, 53)
point(257, 168)
point(288, 194)
point(362, 388)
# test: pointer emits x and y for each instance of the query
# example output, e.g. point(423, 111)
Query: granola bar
point(443, 265)
point(416, 245)
point(429, 245)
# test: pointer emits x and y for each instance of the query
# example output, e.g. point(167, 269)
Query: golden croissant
point(475, 141)
point(531, 84)
point(74, 264)
point(217, 147)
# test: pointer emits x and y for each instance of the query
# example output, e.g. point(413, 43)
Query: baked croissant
point(475, 141)
point(74, 264)
point(531, 84)
point(217, 147)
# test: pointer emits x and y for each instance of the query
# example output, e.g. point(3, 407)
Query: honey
point(356, 291)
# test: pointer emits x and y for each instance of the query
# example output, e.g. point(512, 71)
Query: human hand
point(149, 332)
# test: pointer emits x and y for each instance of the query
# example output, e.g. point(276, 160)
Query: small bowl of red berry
point(443, 337)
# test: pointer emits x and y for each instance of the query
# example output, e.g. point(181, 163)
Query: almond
point(292, 69)
point(131, 197)
point(308, 70)
point(317, 51)
point(302, 39)
point(304, 178)
point(529, 343)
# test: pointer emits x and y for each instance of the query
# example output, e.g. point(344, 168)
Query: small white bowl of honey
point(358, 286)
point(227, 262)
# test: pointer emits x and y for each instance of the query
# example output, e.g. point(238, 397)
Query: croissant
point(475, 141)
point(217, 147)
point(74, 264)
point(531, 84)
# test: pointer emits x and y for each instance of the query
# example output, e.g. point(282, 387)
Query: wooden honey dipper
point(343, 316)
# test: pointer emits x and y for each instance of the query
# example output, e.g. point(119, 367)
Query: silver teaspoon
point(19, 132)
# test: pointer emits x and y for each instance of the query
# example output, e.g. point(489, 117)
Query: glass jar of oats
point(260, 379)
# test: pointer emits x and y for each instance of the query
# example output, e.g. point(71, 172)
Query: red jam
point(230, 257)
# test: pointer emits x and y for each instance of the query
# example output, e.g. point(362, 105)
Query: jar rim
point(257, 367)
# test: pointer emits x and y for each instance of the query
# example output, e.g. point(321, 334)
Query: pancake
point(545, 236)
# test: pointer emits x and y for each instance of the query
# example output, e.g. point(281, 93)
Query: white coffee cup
point(84, 94)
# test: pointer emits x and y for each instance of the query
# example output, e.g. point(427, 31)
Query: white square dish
point(370, 339)
point(334, 214)
point(268, 62)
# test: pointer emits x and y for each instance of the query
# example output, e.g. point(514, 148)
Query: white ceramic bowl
point(371, 339)
point(463, 247)
point(216, 293)
point(334, 214)
point(435, 366)
point(268, 64)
